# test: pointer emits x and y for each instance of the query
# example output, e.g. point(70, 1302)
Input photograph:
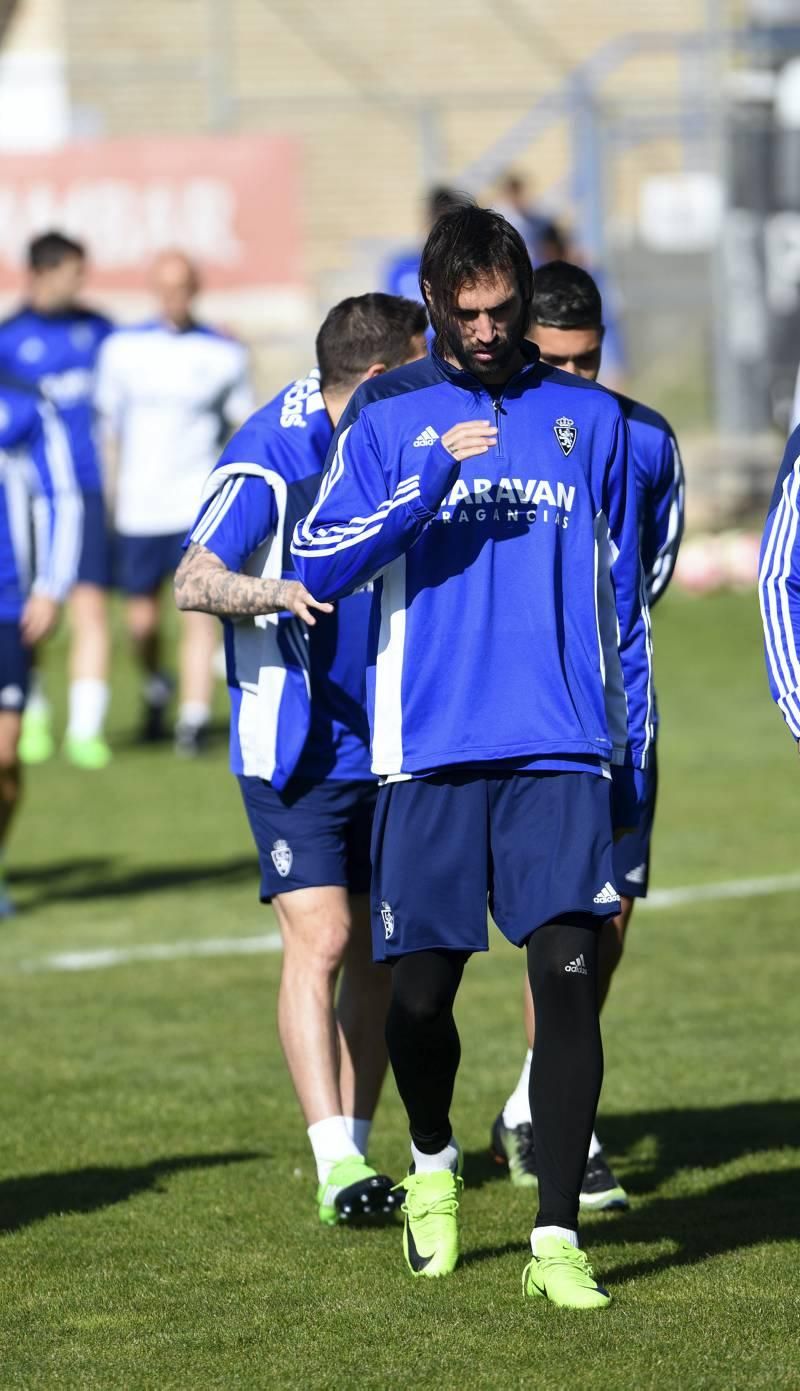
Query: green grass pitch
point(157, 1228)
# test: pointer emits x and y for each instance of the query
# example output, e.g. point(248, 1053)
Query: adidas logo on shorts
point(428, 437)
point(607, 894)
point(576, 967)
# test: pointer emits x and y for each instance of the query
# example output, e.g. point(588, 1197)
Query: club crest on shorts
point(387, 918)
point(282, 857)
point(566, 432)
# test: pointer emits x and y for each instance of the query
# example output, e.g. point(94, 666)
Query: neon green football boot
point(430, 1234)
point(92, 753)
point(562, 1273)
point(36, 742)
point(354, 1190)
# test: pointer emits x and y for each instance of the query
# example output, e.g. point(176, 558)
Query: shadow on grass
point(33, 1197)
point(748, 1211)
point(726, 1217)
point(95, 877)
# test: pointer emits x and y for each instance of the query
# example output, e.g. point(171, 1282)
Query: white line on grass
point(714, 893)
point(159, 951)
point(103, 957)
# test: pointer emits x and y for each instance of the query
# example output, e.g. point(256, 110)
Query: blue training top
point(298, 695)
point(779, 586)
point(509, 620)
point(40, 507)
point(58, 353)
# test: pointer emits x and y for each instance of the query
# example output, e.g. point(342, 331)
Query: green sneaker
point(512, 1149)
point(430, 1234)
point(354, 1190)
point(92, 753)
point(36, 742)
point(601, 1190)
point(562, 1273)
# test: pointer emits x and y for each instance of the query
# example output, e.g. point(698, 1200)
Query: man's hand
point(294, 596)
point(470, 438)
point(205, 584)
point(39, 618)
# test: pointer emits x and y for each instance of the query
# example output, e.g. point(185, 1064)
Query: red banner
point(229, 202)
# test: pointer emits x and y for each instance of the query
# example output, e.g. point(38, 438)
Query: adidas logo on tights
point(428, 437)
point(576, 967)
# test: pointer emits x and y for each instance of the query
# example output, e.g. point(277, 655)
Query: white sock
point(157, 689)
point(517, 1110)
point(88, 703)
point(37, 703)
point(429, 1163)
point(331, 1142)
point(358, 1130)
point(565, 1233)
point(194, 713)
point(594, 1146)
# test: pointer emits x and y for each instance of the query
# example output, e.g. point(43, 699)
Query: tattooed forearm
point(204, 583)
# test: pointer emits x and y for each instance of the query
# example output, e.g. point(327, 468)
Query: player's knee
point(320, 951)
point(9, 745)
point(417, 1001)
point(561, 961)
point(142, 622)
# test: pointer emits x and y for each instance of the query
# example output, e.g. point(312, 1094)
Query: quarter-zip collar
point(469, 382)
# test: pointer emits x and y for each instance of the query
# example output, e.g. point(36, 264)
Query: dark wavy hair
point(565, 296)
point(465, 244)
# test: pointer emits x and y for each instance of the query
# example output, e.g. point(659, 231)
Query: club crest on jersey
point(387, 918)
point(282, 858)
point(566, 432)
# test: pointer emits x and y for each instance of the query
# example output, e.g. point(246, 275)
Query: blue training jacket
point(58, 353)
point(509, 621)
point(660, 493)
point(779, 586)
point(298, 697)
point(41, 511)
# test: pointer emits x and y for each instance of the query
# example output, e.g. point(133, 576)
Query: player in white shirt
point(169, 392)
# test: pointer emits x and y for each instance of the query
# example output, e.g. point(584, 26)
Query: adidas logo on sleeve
point(577, 967)
point(607, 894)
point(427, 438)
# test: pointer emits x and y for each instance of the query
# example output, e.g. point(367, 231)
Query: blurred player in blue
point(779, 587)
point(53, 342)
point(40, 541)
point(567, 327)
point(300, 739)
point(492, 501)
point(169, 392)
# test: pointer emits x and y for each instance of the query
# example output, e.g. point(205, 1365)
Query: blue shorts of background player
point(311, 834)
point(143, 563)
point(96, 560)
point(535, 846)
point(632, 852)
point(15, 669)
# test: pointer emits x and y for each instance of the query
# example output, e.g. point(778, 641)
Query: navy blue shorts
point(632, 853)
point(15, 669)
point(535, 846)
point(96, 561)
point(311, 835)
point(142, 563)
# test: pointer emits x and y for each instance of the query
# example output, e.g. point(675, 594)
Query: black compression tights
point(423, 1041)
point(567, 1065)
